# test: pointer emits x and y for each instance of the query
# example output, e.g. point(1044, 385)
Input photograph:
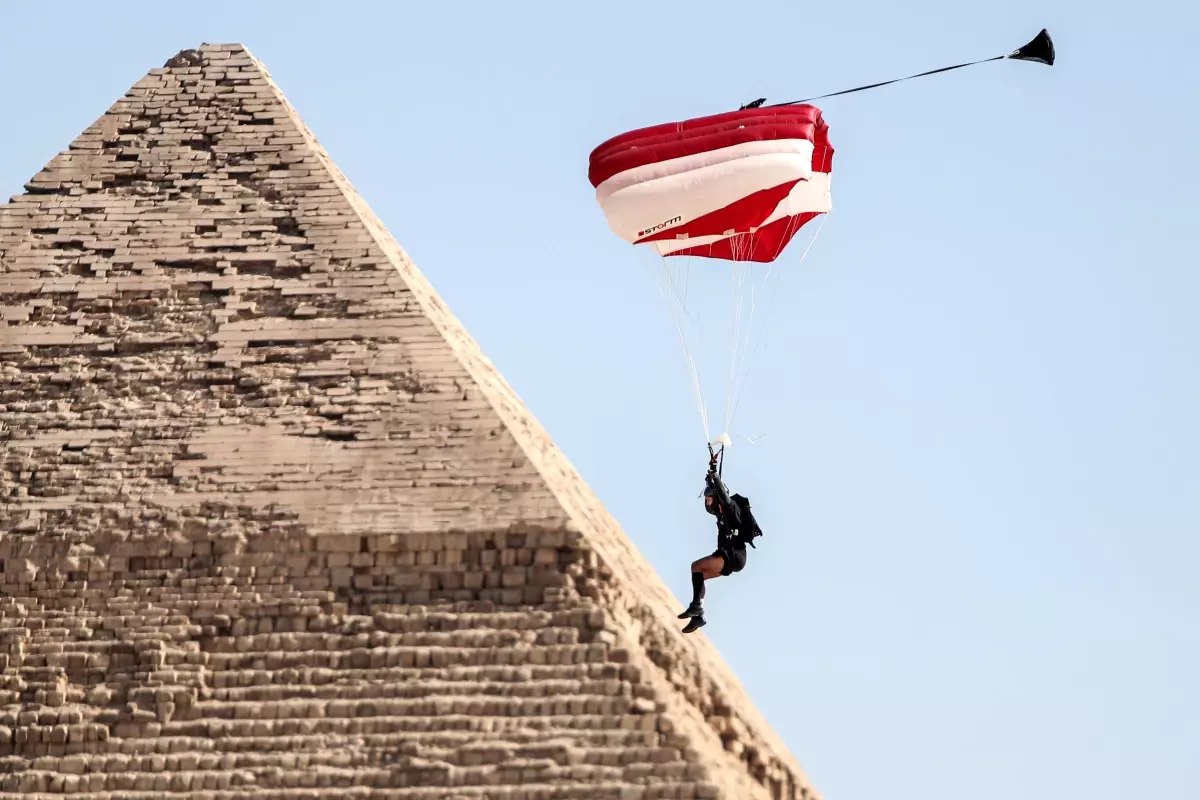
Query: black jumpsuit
point(730, 545)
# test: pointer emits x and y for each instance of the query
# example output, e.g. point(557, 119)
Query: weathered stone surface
point(272, 525)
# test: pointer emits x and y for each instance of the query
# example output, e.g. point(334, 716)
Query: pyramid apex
point(196, 56)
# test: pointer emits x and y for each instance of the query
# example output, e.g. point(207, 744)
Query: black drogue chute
point(1040, 49)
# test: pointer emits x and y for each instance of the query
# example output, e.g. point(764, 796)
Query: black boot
point(694, 610)
point(695, 623)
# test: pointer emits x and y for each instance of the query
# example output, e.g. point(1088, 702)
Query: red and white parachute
point(735, 188)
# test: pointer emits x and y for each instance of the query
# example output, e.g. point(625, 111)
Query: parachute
point(735, 187)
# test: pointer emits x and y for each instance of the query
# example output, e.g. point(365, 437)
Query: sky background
point(980, 479)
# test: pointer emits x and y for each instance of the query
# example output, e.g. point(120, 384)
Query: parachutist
point(736, 528)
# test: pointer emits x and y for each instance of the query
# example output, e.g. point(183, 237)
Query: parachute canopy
point(735, 186)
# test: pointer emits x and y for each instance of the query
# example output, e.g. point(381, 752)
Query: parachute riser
point(716, 460)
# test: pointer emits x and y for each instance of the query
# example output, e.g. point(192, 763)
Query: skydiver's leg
point(703, 569)
point(709, 567)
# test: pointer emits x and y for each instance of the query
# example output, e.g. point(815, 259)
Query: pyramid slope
point(272, 523)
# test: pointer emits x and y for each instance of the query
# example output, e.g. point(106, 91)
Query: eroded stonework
point(273, 527)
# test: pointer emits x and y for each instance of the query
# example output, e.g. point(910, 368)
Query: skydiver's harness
point(732, 511)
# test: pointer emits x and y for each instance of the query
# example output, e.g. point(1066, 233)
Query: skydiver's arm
point(732, 513)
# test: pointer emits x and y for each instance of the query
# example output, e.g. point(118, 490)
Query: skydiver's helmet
point(710, 500)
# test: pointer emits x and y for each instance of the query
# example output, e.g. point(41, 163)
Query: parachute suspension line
point(740, 340)
point(737, 277)
point(745, 288)
point(740, 334)
point(672, 284)
point(745, 357)
point(672, 297)
point(753, 309)
point(767, 314)
point(687, 281)
point(733, 270)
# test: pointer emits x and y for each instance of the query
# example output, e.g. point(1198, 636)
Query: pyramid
point(271, 524)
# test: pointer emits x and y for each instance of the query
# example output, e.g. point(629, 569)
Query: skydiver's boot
point(694, 610)
point(694, 623)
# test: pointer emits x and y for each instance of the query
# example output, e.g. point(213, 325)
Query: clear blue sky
point(980, 482)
